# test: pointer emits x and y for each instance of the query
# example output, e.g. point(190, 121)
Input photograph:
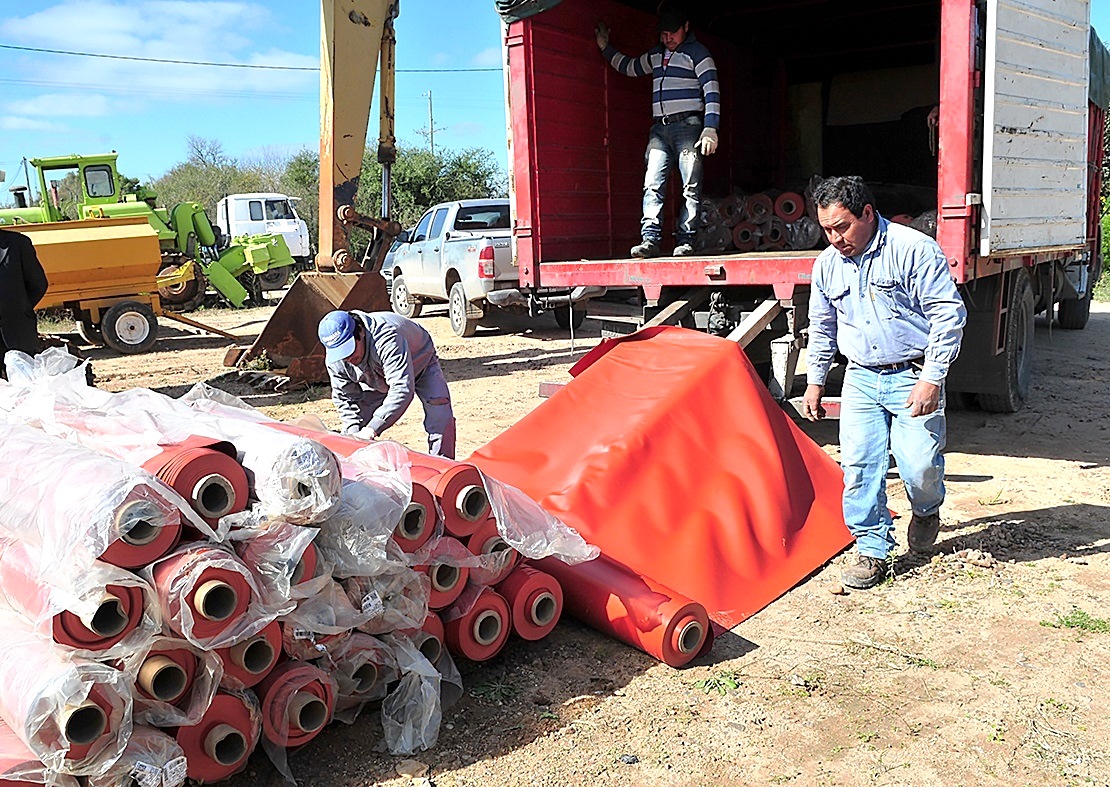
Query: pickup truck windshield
point(483, 217)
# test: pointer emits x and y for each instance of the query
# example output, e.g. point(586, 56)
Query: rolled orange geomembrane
point(760, 208)
point(429, 639)
point(302, 645)
point(306, 566)
point(206, 473)
point(745, 236)
point(481, 632)
point(459, 488)
point(248, 662)
point(297, 701)
point(536, 601)
point(145, 535)
point(448, 581)
point(418, 523)
point(219, 744)
point(487, 541)
point(667, 451)
point(216, 597)
point(613, 599)
point(790, 206)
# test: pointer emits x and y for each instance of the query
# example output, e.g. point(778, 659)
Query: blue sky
point(59, 104)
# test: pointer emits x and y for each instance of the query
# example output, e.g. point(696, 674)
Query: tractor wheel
point(184, 297)
point(129, 327)
point(89, 332)
point(275, 278)
point(401, 299)
point(1018, 350)
point(252, 283)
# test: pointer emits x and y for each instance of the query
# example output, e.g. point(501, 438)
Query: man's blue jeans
point(873, 415)
point(668, 145)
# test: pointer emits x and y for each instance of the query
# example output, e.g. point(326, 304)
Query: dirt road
point(977, 667)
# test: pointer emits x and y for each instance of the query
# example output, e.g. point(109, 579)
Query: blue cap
point(337, 334)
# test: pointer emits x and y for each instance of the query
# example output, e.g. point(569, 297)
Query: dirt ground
point(976, 667)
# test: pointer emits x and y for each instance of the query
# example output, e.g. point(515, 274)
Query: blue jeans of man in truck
point(669, 146)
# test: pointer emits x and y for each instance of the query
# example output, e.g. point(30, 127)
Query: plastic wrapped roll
point(731, 210)
point(248, 662)
point(927, 223)
point(102, 609)
point(151, 758)
point(19, 766)
point(297, 701)
point(447, 579)
point(429, 638)
point(745, 236)
point(305, 645)
point(393, 599)
point(790, 206)
point(280, 556)
point(420, 521)
point(774, 235)
point(535, 600)
point(174, 682)
point(220, 743)
point(205, 593)
point(805, 233)
point(609, 597)
point(488, 541)
point(206, 474)
point(363, 667)
point(477, 629)
point(459, 488)
point(75, 715)
point(105, 508)
point(759, 208)
point(356, 537)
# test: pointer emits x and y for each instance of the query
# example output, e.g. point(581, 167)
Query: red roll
point(216, 597)
point(774, 235)
point(745, 236)
point(459, 488)
point(218, 745)
point(535, 600)
point(488, 541)
point(306, 566)
point(306, 645)
point(759, 208)
point(429, 637)
point(613, 599)
point(448, 581)
point(206, 473)
point(19, 766)
point(145, 533)
point(297, 701)
point(362, 668)
point(418, 523)
point(790, 206)
point(481, 632)
point(248, 662)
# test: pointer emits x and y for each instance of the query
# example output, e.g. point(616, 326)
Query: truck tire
point(1073, 314)
point(89, 332)
point(566, 320)
point(401, 299)
point(461, 324)
point(129, 327)
point(184, 297)
point(1018, 350)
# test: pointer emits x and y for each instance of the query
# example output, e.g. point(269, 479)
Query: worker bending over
point(377, 362)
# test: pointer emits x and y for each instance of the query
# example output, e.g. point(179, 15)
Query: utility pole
point(431, 124)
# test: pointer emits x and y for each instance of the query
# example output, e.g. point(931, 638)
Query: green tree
point(207, 176)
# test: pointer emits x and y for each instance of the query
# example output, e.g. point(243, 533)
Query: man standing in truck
point(378, 362)
point(22, 285)
point(883, 297)
point(686, 107)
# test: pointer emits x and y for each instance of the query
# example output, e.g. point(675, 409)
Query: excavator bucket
point(289, 338)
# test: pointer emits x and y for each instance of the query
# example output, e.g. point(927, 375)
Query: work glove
point(707, 142)
point(601, 35)
point(365, 433)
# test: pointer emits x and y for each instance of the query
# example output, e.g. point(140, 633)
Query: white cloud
point(487, 58)
point(13, 123)
point(59, 105)
point(441, 59)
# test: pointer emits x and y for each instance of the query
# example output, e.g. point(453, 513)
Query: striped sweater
point(688, 83)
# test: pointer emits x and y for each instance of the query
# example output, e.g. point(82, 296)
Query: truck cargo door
point(1035, 130)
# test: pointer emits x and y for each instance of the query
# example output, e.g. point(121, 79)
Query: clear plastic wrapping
point(19, 764)
point(363, 668)
point(357, 538)
point(394, 599)
point(99, 611)
point(274, 551)
point(152, 759)
point(412, 712)
point(328, 611)
point(96, 501)
point(166, 667)
point(531, 530)
point(74, 714)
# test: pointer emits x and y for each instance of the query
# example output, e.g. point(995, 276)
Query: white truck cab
point(265, 212)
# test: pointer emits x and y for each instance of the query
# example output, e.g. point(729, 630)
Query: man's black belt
point(666, 120)
point(895, 367)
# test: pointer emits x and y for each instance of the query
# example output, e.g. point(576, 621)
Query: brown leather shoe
point(923, 532)
point(863, 572)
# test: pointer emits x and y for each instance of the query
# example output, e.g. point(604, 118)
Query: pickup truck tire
point(1018, 350)
point(567, 320)
point(129, 327)
point(456, 309)
point(401, 299)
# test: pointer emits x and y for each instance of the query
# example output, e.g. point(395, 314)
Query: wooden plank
point(193, 323)
point(755, 322)
point(675, 311)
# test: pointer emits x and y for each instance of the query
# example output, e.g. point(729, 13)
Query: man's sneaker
point(923, 532)
point(683, 250)
point(648, 248)
point(863, 572)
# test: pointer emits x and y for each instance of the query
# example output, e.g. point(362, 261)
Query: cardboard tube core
point(307, 713)
point(472, 503)
point(431, 648)
point(690, 637)
point(109, 618)
point(543, 609)
point(215, 600)
point(256, 655)
point(413, 522)
point(225, 744)
point(487, 627)
point(162, 678)
point(445, 577)
point(84, 724)
point(213, 496)
point(365, 677)
point(139, 522)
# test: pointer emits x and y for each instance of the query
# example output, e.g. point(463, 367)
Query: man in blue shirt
point(882, 295)
point(378, 362)
point(686, 106)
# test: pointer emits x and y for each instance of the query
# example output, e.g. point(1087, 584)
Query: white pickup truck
point(459, 252)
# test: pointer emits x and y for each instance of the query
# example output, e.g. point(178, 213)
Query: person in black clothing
point(22, 285)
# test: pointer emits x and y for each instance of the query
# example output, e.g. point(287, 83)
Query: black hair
point(672, 16)
point(849, 191)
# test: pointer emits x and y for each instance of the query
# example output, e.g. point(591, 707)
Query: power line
point(227, 65)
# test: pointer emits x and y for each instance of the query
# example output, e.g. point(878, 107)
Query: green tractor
point(193, 251)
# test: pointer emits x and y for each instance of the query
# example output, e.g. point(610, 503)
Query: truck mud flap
point(289, 338)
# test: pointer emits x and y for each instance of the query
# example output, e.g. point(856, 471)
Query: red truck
point(813, 87)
